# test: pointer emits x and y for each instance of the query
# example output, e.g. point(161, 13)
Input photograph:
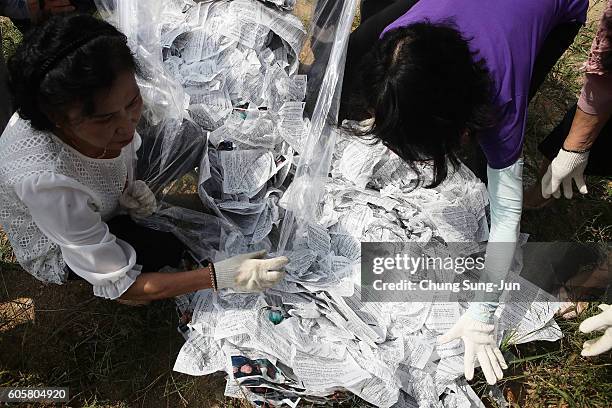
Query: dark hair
point(63, 62)
point(424, 88)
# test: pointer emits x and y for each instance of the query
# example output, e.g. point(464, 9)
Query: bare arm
point(244, 273)
point(594, 109)
point(585, 129)
point(157, 285)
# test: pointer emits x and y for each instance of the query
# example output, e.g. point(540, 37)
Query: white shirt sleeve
point(61, 208)
point(506, 202)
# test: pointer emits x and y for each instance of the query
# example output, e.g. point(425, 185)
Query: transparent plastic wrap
point(204, 234)
point(140, 21)
point(170, 150)
point(322, 58)
point(240, 96)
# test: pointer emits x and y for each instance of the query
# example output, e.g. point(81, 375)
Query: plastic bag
point(328, 39)
point(140, 21)
point(240, 97)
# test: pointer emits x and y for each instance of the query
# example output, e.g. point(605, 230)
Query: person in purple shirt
point(434, 73)
point(507, 36)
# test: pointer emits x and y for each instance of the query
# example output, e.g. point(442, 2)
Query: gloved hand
point(249, 272)
point(138, 199)
point(479, 342)
point(567, 166)
point(602, 321)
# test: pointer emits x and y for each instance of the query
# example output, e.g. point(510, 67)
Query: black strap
point(575, 151)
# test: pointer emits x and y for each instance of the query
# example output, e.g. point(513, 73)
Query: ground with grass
point(116, 356)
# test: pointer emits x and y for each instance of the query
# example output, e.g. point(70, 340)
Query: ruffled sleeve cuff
point(113, 290)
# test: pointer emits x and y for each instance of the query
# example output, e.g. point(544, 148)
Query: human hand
point(567, 166)
point(249, 272)
point(479, 342)
point(138, 199)
point(571, 310)
point(602, 321)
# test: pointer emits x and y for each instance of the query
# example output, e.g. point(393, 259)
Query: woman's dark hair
point(425, 89)
point(63, 62)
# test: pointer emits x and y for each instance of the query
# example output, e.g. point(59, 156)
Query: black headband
point(52, 61)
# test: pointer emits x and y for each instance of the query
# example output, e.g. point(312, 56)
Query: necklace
point(103, 154)
point(71, 141)
point(74, 144)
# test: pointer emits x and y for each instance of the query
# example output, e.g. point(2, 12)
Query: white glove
point(567, 166)
point(250, 273)
point(602, 321)
point(479, 342)
point(138, 199)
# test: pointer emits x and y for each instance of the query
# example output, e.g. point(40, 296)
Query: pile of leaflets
point(312, 338)
point(313, 335)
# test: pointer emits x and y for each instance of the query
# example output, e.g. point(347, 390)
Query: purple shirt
point(508, 34)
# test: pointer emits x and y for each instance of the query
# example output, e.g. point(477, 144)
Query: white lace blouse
point(68, 197)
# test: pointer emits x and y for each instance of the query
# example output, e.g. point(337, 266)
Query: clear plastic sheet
point(240, 97)
point(328, 39)
point(201, 232)
point(170, 149)
point(140, 21)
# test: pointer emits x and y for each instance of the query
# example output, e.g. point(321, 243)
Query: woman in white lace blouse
point(63, 173)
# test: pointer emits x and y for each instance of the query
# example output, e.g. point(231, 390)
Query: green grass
point(114, 356)
point(585, 218)
point(554, 374)
point(546, 374)
point(11, 37)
